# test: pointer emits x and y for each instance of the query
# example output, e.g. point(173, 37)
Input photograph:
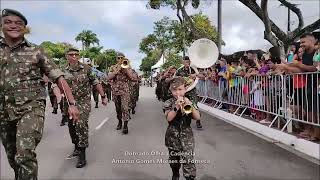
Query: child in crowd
point(179, 136)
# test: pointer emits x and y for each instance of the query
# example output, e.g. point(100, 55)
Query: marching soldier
point(107, 89)
point(53, 98)
point(167, 77)
point(95, 95)
point(23, 95)
point(179, 136)
point(187, 72)
point(119, 78)
point(81, 78)
point(134, 93)
point(159, 87)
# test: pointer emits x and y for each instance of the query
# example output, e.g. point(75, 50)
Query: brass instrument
point(185, 108)
point(124, 63)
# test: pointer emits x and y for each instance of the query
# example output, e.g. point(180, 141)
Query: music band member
point(81, 78)
point(188, 72)
point(119, 78)
point(179, 136)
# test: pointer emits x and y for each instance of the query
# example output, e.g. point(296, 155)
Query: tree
point(169, 38)
point(180, 7)
point(92, 53)
point(106, 59)
point(55, 50)
point(87, 37)
point(273, 33)
point(149, 61)
point(173, 60)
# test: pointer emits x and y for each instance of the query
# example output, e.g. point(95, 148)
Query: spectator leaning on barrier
point(307, 43)
point(223, 79)
point(293, 50)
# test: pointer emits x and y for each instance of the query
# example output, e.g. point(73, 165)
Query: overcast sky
point(121, 24)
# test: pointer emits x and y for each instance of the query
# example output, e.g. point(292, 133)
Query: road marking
point(102, 123)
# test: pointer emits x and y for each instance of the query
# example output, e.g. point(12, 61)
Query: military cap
point(176, 82)
point(120, 54)
point(72, 49)
point(9, 12)
point(186, 58)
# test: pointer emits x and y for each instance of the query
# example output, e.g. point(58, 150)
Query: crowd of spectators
point(263, 95)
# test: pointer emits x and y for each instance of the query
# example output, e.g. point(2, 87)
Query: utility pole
point(289, 20)
point(219, 25)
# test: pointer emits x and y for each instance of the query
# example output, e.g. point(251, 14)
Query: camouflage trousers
point(54, 103)
point(95, 94)
point(186, 160)
point(122, 106)
point(107, 90)
point(133, 101)
point(21, 136)
point(79, 132)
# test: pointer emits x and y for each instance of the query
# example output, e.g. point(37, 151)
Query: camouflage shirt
point(80, 79)
point(183, 72)
point(120, 84)
point(21, 76)
point(179, 133)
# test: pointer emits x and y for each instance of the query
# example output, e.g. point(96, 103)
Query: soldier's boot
point(55, 111)
point(125, 128)
point(82, 158)
point(75, 152)
point(97, 105)
point(119, 126)
point(64, 120)
point(199, 126)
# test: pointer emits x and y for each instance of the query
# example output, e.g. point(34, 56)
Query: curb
point(311, 149)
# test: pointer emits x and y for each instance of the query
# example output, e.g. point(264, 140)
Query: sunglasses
point(73, 54)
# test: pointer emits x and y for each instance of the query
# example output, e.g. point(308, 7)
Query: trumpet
point(185, 108)
point(125, 63)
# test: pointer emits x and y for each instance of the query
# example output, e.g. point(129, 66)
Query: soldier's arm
point(131, 75)
point(51, 70)
point(110, 76)
point(169, 112)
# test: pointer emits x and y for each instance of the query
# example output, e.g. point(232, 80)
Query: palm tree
point(87, 37)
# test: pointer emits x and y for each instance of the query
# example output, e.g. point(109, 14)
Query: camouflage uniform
point(22, 103)
point(107, 89)
point(120, 95)
point(192, 94)
point(53, 98)
point(95, 95)
point(80, 79)
point(134, 92)
point(179, 139)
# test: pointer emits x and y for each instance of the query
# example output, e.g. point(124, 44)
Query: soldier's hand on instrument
point(74, 113)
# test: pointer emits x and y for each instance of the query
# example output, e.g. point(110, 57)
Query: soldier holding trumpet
point(119, 78)
point(179, 111)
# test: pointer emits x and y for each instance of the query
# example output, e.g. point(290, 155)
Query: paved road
point(226, 152)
